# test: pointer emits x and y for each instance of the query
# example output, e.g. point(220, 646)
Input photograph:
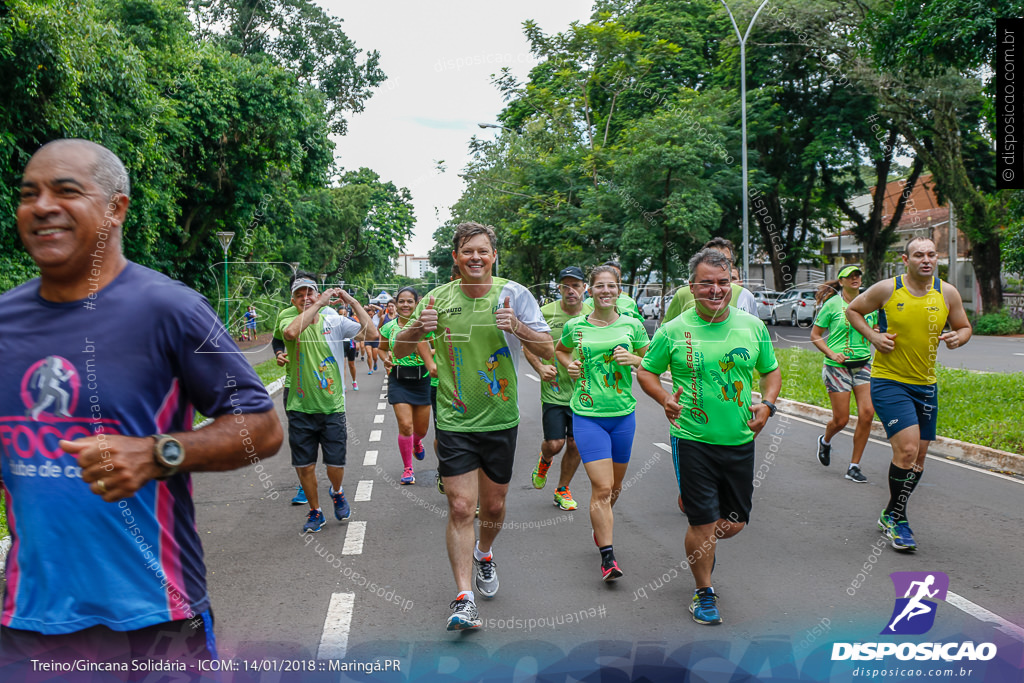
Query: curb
point(983, 456)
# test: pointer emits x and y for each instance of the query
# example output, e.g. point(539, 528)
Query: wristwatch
point(168, 454)
point(771, 407)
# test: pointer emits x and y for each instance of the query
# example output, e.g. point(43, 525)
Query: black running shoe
point(824, 452)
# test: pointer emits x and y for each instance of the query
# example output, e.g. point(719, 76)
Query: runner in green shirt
point(556, 390)
point(408, 384)
point(847, 367)
point(600, 351)
point(481, 322)
point(712, 351)
point(313, 334)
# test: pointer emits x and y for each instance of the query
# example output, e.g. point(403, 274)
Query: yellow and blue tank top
point(917, 322)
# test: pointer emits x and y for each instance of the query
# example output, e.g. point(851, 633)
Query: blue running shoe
point(704, 607)
point(370, 372)
point(464, 615)
point(420, 452)
point(903, 537)
point(300, 497)
point(314, 522)
point(342, 510)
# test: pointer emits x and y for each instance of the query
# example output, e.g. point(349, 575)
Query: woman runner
point(408, 384)
point(600, 351)
point(847, 367)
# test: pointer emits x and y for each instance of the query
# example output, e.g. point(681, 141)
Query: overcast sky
point(439, 57)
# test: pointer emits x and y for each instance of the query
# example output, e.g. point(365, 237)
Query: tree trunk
point(987, 267)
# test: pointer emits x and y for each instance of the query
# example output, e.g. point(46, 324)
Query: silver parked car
point(766, 303)
point(795, 307)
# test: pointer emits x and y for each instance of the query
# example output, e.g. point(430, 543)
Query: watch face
point(172, 452)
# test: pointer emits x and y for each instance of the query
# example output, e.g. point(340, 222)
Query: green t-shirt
point(476, 362)
point(316, 382)
point(390, 330)
point(625, 305)
point(842, 338)
point(605, 388)
point(714, 363)
point(683, 301)
point(560, 390)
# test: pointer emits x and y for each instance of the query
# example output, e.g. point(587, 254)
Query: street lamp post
point(225, 241)
point(743, 116)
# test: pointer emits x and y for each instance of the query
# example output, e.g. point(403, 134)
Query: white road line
point(936, 458)
point(664, 446)
point(535, 378)
point(354, 539)
point(383, 396)
point(364, 490)
point(1018, 354)
point(982, 614)
point(374, 435)
point(382, 406)
point(370, 459)
point(378, 419)
point(334, 639)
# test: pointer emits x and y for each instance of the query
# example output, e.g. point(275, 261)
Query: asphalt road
point(985, 354)
point(809, 571)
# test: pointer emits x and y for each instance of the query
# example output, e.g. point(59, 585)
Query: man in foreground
point(112, 358)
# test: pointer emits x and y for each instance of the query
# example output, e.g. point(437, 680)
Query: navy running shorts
point(900, 405)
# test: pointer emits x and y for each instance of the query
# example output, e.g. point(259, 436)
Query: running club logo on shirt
point(732, 389)
point(914, 613)
point(50, 389)
point(495, 386)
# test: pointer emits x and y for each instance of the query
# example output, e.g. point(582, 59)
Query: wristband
point(771, 407)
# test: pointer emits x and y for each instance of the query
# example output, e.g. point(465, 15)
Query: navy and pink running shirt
point(133, 358)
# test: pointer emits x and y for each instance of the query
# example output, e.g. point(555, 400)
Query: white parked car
point(766, 303)
point(795, 307)
point(650, 307)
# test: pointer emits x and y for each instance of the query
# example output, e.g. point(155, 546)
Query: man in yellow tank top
point(913, 310)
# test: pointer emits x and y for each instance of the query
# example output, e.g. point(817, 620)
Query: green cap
point(849, 270)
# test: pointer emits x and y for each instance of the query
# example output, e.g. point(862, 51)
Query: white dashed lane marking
point(354, 536)
point(382, 406)
point(535, 378)
point(370, 459)
point(364, 489)
point(374, 435)
point(337, 623)
point(378, 419)
point(664, 446)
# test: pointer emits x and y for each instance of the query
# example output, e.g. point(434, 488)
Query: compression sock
point(901, 484)
point(405, 449)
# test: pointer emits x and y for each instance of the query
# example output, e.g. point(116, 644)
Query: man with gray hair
point(117, 575)
point(741, 297)
point(712, 351)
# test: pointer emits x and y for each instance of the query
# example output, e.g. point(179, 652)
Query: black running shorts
point(306, 431)
point(462, 452)
point(557, 421)
point(716, 482)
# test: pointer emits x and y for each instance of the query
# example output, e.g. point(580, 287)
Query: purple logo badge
point(916, 596)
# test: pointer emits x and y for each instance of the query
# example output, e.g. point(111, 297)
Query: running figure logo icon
point(50, 385)
point(914, 613)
